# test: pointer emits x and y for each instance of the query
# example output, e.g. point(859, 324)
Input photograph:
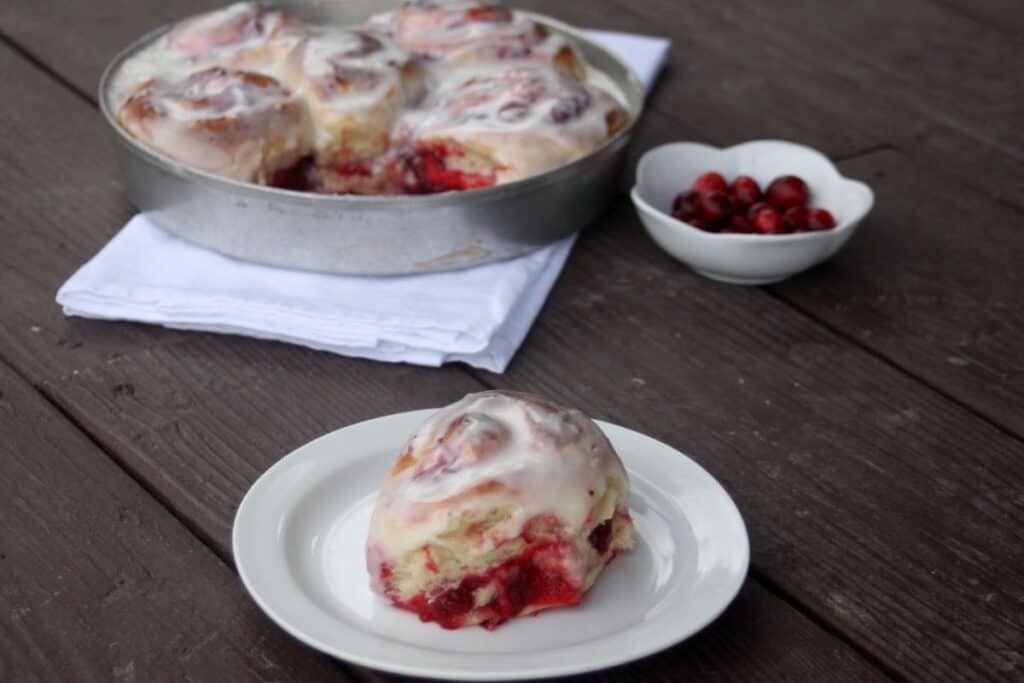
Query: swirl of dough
point(356, 82)
point(501, 504)
point(243, 35)
point(238, 124)
point(503, 124)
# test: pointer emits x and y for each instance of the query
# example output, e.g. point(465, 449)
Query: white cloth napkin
point(480, 315)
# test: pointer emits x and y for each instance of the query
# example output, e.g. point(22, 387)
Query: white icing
point(371, 65)
point(475, 74)
point(547, 461)
point(529, 118)
point(252, 116)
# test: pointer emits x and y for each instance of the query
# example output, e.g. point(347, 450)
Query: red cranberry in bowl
point(787, 191)
point(757, 208)
point(714, 207)
point(820, 219)
point(710, 182)
point(744, 191)
point(795, 219)
point(769, 222)
point(739, 224)
point(684, 205)
point(702, 224)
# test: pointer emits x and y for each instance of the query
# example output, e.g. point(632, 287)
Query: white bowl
point(746, 259)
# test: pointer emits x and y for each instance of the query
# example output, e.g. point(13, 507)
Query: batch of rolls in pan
point(431, 97)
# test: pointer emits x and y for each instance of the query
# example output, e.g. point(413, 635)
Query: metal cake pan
point(373, 235)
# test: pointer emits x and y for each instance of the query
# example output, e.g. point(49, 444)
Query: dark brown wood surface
point(100, 582)
point(867, 415)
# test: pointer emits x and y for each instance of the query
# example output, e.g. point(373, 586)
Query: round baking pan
point(373, 235)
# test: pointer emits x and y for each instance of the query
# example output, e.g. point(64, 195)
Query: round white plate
point(300, 531)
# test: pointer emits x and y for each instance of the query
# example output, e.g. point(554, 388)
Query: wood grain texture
point(992, 382)
point(200, 421)
point(917, 74)
point(61, 202)
point(934, 283)
point(885, 510)
point(890, 513)
point(746, 635)
point(100, 583)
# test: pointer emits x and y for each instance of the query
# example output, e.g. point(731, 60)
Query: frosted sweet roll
point(238, 124)
point(502, 504)
point(432, 97)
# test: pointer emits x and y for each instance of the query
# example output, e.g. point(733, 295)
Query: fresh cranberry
point(769, 222)
point(458, 600)
point(820, 219)
point(757, 208)
point(684, 206)
point(710, 182)
point(302, 176)
point(701, 224)
point(744, 191)
point(489, 13)
point(601, 536)
point(786, 191)
point(714, 207)
point(795, 219)
point(739, 224)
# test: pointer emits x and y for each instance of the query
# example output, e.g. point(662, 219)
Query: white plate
point(300, 531)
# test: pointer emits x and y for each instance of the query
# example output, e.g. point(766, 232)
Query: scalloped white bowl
point(745, 259)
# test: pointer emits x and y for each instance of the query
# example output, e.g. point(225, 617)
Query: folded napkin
point(479, 315)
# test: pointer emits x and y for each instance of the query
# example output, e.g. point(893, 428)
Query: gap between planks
point(197, 533)
point(842, 334)
point(755, 574)
point(53, 399)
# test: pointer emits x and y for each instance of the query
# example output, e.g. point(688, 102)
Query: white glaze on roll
point(495, 451)
point(524, 120)
point(237, 124)
point(357, 81)
point(437, 29)
point(366, 103)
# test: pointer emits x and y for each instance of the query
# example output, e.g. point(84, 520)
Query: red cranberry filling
point(424, 171)
point(522, 581)
point(302, 176)
point(601, 536)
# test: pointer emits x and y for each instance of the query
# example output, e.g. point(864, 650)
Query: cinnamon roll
point(237, 124)
point(479, 32)
point(243, 35)
point(356, 82)
point(500, 126)
point(502, 504)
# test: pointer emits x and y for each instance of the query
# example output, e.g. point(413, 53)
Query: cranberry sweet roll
point(502, 504)
point(237, 124)
point(500, 126)
point(478, 32)
point(243, 35)
point(356, 83)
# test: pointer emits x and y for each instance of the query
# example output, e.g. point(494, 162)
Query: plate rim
point(571, 667)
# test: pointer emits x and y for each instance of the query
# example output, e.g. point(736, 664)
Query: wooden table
point(867, 416)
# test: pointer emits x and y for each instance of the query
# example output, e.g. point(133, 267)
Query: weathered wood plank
point(50, 147)
point(200, 421)
point(197, 425)
point(889, 512)
point(840, 601)
point(101, 583)
point(935, 81)
point(934, 284)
